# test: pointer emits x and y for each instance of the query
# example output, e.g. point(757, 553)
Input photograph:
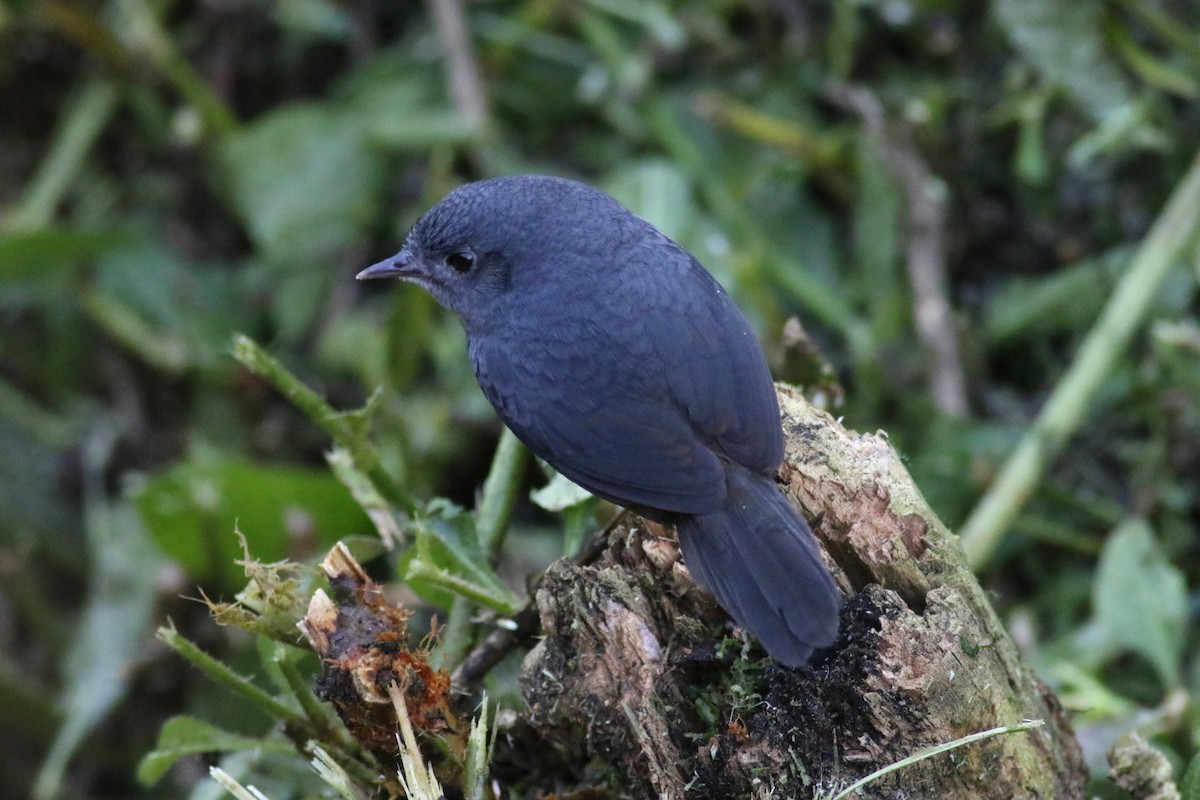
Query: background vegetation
point(947, 195)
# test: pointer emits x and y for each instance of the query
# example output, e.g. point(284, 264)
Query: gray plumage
point(615, 356)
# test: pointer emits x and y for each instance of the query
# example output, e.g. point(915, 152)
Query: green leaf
point(1189, 786)
point(409, 565)
point(304, 181)
point(421, 131)
point(877, 244)
point(399, 104)
point(1127, 128)
point(1064, 41)
point(38, 253)
point(319, 19)
point(1141, 599)
point(659, 192)
point(559, 494)
point(358, 483)
point(448, 556)
point(115, 623)
point(354, 343)
point(1157, 72)
point(185, 736)
point(450, 526)
point(180, 319)
point(1030, 161)
point(424, 573)
point(191, 510)
point(1061, 301)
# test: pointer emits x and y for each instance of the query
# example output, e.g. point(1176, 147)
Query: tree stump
point(641, 687)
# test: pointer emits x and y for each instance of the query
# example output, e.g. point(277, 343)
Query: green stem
point(456, 636)
point(843, 38)
point(500, 491)
point(321, 718)
point(47, 426)
point(84, 118)
point(1177, 35)
point(1065, 411)
point(813, 294)
point(499, 599)
point(152, 40)
point(224, 676)
point(338, 425)
point(496, 502)
point(158, 348)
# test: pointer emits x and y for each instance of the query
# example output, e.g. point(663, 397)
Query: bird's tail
point(759, 558)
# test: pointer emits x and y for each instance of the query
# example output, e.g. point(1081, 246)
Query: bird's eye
point(461, 261)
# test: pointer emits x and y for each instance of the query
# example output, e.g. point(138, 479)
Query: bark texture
point(641, 686)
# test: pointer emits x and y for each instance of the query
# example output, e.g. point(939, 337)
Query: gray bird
point(616, 357)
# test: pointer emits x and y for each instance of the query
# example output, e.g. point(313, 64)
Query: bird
point(616, 357)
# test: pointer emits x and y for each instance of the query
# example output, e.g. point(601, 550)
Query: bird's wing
point(715, 368)
point(629, 445)
point(640, 404)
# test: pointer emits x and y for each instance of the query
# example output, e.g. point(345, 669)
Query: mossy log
point(641, 685)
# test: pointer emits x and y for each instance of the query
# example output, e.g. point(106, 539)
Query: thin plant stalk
point(500, 491)
point(84, 119)
point(1066, 410)
point(1026, 725)
point(492, 516)
point(341, 427)
point(224, 676)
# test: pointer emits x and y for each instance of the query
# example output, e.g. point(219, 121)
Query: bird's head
point(488, 238)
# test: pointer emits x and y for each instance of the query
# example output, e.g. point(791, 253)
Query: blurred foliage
point(172, 173)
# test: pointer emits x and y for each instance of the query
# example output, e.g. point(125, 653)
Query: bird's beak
point(398, 266)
